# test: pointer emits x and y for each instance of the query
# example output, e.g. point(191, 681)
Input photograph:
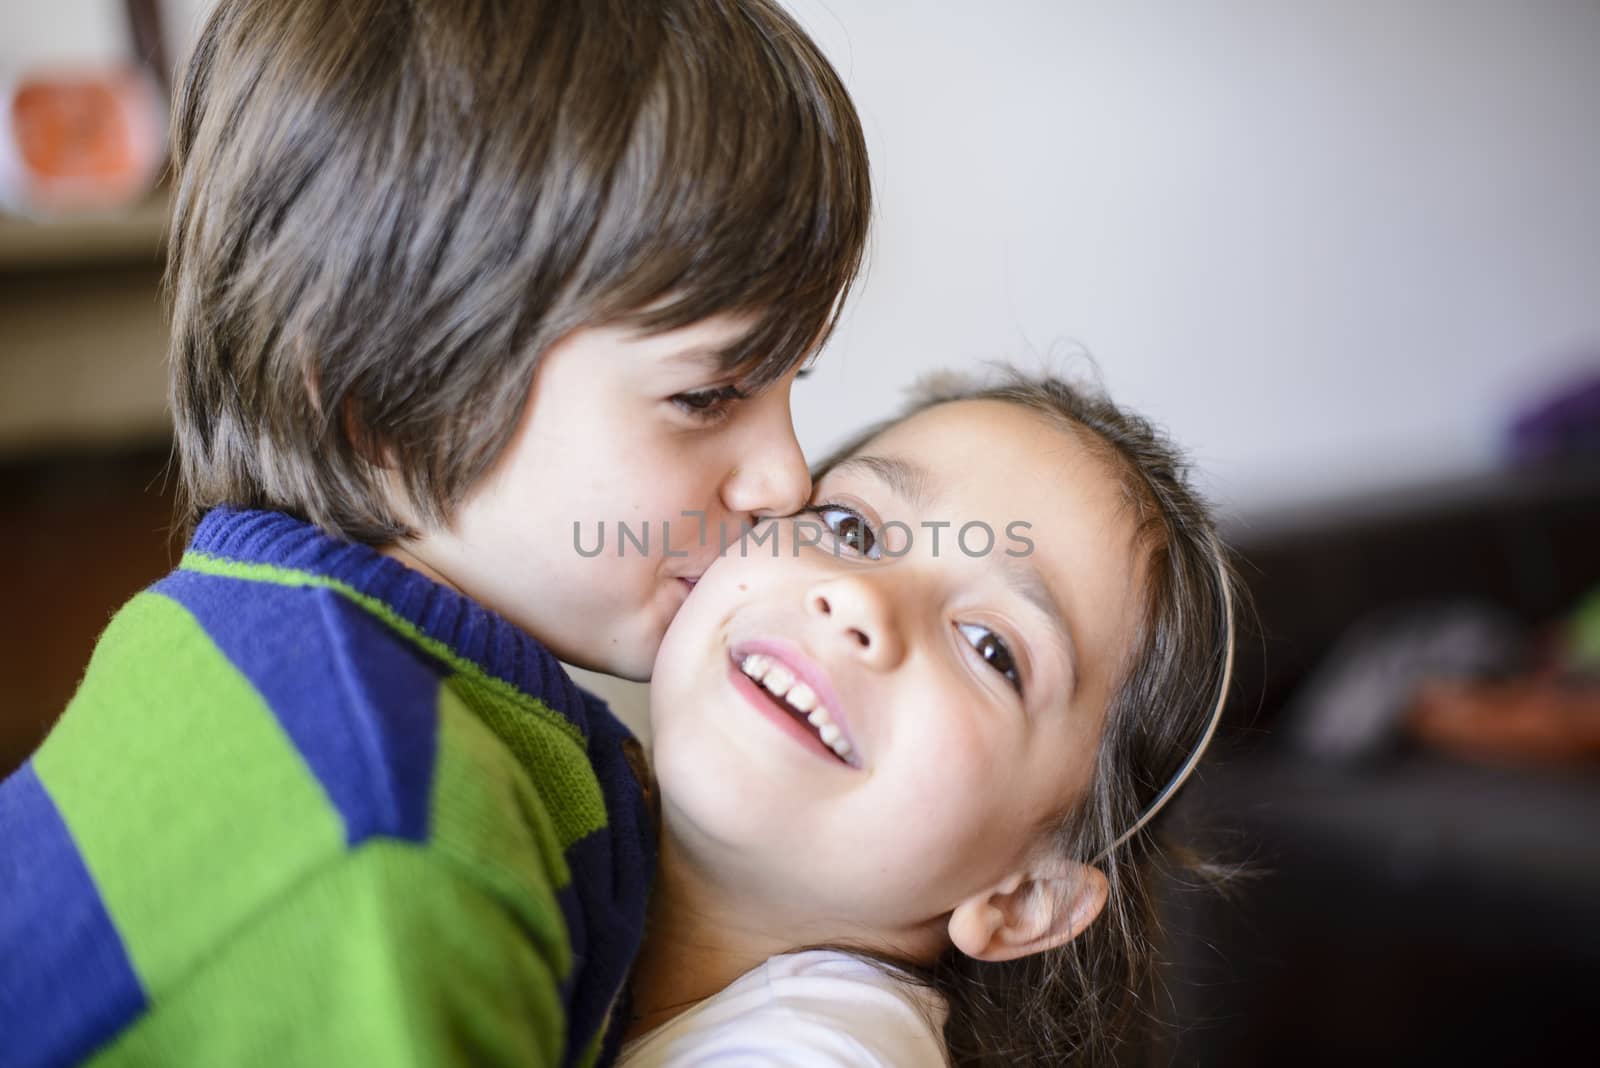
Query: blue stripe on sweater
point(360, 706)
point(79, 988)
point(607, 925)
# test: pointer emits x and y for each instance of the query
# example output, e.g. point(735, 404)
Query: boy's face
point(971, 686)
point(620, 428)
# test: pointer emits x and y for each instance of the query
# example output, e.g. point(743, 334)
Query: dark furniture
point(1410, 908)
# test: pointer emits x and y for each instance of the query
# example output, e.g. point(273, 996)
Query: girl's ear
point(1029, 912)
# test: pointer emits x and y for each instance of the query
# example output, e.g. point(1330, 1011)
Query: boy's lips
point(825, 724)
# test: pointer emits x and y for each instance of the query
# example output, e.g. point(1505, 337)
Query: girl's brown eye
point(994, 651)
point(855, 534)
point(850, 529)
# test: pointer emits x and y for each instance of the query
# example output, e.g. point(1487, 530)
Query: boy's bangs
point(755, 206)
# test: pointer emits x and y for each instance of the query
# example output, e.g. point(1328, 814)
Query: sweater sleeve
point(388, 956)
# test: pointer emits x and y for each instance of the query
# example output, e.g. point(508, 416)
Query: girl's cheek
point(946, 752)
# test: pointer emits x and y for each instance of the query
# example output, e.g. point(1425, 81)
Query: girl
point(907, 746)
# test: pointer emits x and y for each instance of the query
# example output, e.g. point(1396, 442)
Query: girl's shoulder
point(815, 1009)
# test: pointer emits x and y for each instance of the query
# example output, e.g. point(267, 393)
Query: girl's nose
point(860, 613)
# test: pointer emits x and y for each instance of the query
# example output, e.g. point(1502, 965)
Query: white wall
point(51, 32)
point(68, 33)
point(1330, 244)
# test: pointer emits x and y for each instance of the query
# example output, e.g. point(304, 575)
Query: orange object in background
point(77, 141)
point(1540, 719)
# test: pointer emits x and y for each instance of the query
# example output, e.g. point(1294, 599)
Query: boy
point(449, 282)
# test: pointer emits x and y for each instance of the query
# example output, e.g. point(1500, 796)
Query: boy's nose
point(771, 480)
point(860, 614)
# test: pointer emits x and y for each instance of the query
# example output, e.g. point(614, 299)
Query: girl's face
point(968, 688)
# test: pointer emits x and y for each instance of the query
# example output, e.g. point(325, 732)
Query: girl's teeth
point(778, 680)
point(781, 682)
point(801, 697)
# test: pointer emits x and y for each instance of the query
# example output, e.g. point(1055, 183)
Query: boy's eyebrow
point(713, 359)
point(1025, 579)
point(907, 480)
point(702, 354)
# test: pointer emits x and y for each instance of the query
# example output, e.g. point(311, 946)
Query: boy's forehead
point(725, 343)
point(708, 338)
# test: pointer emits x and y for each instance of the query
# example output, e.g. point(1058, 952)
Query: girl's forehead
point(975, 452)
point(955, 423)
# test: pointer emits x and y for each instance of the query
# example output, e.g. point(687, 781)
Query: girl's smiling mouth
point(795, 693)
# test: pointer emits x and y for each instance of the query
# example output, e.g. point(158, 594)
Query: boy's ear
point(1029, 912)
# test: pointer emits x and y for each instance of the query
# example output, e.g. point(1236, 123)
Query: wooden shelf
point(135, 235)
point(83, 333)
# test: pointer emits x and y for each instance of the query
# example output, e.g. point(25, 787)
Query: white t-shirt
point(817, 1009)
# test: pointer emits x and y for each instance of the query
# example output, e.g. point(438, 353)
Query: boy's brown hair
point(388, 210)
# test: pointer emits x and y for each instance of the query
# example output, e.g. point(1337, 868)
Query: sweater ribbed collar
point(467, 628)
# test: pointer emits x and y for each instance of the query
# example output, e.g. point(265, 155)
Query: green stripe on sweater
point(487, 821)
point(566, 781)
point(190, 805)
point(539, 736)
point(387, 958)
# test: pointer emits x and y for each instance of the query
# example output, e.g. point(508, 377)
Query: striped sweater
point(310, 807)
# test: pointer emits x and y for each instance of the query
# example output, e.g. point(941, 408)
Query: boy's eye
point(849, 528)
point(708, 404)
point(995, 652)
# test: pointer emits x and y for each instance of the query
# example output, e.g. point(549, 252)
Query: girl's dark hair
point(387, 211)
point(1080, 1003)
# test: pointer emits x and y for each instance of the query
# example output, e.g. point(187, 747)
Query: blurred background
point(1347, 253)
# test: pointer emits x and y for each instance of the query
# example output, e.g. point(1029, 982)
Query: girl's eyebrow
point(907, 480)
point(1029, 584)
